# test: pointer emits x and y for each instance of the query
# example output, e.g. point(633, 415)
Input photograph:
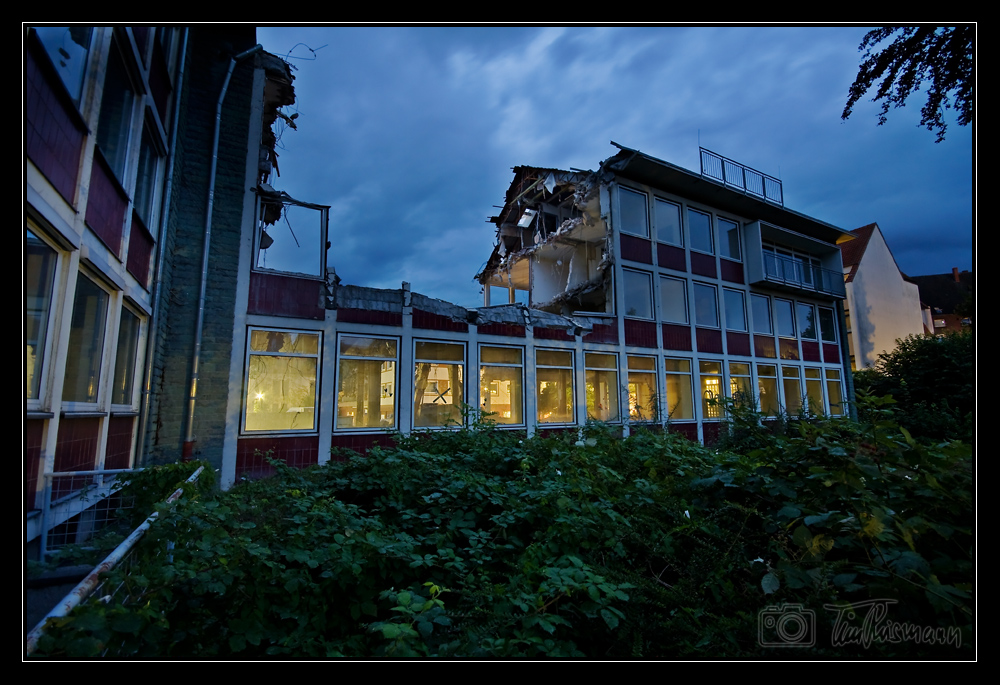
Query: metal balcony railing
point(801, 274)
point(735, 175)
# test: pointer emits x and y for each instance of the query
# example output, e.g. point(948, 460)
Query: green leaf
point(770, 583)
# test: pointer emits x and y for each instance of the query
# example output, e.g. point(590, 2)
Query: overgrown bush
point(482, 542)
point(933, 380)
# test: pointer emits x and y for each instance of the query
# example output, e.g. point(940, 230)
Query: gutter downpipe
point(154, 321)
point(188, 448)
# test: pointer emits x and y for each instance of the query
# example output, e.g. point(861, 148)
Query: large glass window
point(145, 182)
point(761, 314)
point(366, 382)
point(602, 386)
point(785, 318)
point(39, 275)
point(807, 321)
point(438, 384)
point(673, 300)
point(86, 342)
point(711, 389)
point(700, 226)
point(729, 239)
point(128, 344)
point(668, 223)
point(554, 376)
point(291, 238)
point(835, 392)
point(642, 395)
point(116, 114)
point(282, 381)
point(501, 384)
point(827, 325)
point(791, 384)
point(736, 310)
point(68, 47)
point(740, 388)
point(632, 206)
point(679, 399)
point(706, 305)
point(814, 391)
point(638, 294)
point(767, 389)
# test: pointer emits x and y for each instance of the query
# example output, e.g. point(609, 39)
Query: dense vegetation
point(483, 543)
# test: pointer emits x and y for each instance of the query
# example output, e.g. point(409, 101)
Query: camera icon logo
point(786, 625)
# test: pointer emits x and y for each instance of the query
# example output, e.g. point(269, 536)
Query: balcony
point(803, 275)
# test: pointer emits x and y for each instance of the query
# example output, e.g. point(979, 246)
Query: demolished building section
point(553, 249)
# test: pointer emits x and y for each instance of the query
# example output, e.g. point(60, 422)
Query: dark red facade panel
point(350, 315)
point(281, 295)
point(711, 430)
point(636, 249)
point(542, 333)
point(788, 349)
point(810, 351)
point(505, 329)
point(671, 257)
point(731, 271)
point(831, 353)
point(703, 264)
point(640, 333)
point(437, 322)
point(602, 333)
point(709, 340)
point(106, 205)
point(764, 347)
point(676, 337)
point(140, 251)
point(76, 450)
point(688, 430)
point(738, 343)
point(252, 453)
point(118, 451)
point(359, 443)
point(33, 432)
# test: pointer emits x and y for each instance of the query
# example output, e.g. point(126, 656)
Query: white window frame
point(521, 366)
point(621, 214)
point(711, 231)
point(664, 299)
point(680, 221)
point(715, 296)
point(55, 302)
point(615, 388)
point(649, 293)
point(724, 244)
point(100, 400)
point(318, 356)
point(456, 402)
point(572, 376)
point(337, 380)
point(137, 361)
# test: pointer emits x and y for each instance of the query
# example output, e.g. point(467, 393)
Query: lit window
point(39, 274)
point(86, 342)
point(679, 400)
point(638, 294)
point(711, 389)
point(835, 392)
point(793, 389)
point(122, 391)
point(632, 209)
point(501, 385)
point(740, 388)
point(767, 389)
point(366, 378)
point(700, 226)
point(602, 386)
point(814, 391)
point(282, 375)
point(668, 223)
point(642, 402)
point(554, 392)
point(438, 386)
point(673, 300)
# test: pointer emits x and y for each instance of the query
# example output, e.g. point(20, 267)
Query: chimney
point(954, 272)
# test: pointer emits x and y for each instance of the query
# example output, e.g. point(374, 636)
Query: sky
point(410, 134)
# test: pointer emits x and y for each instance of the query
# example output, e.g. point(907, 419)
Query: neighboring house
point(882, 306)
point(119, 131)
point(949, 299)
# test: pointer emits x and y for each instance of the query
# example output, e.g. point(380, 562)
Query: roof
point(852, 251)
point(638, 166)
point(942, 291)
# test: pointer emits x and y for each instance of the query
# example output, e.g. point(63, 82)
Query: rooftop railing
point(801, 274)
point(735, 175)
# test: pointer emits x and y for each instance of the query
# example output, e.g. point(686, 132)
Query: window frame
point(715, 300)
point(462, 364)
point(570, 410)
point(691, 235)
point(621, 213)
point(649, 293)
point(592, 376)
point(757, 319)
point(689, 374)
point(72, 405)
point(317, 382)
point(136, 360)
point(47, 322)
point(724, 245)
point(743, 312)
point(505, 365)
point(680, 221)
point(664, 299)
point(379, 358)
point(633, 397)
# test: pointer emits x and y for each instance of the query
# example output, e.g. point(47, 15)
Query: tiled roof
point(853, 250)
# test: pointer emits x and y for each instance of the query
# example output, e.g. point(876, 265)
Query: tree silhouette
point(941, 55)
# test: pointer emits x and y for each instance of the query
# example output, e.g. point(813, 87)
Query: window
point(438, 385)
point(807, 321)
point(736, 310)
point(602, 386)
point(366, 381)
point(642, 402)
point(711, 389)
point(835, 393)
point(632, 210)
point(729, 239)
point(740, 388)
point(68, 47)
point(282, 381)
point(638, 294)
point(827, 325)
point(39, 276)
point(785, 318)
point(761, 315)
point(700, 225)
point(668, 223)
point(793, 389)
point(291, 237)
point(145, 182)
point(116, 115)
point(706, 305)
point(501, 384)
point(554, 375)
point(767, 389)
point(679, 401)
point(673, 300)
point(123, 389)
point(814, 391)
point(86, 342)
